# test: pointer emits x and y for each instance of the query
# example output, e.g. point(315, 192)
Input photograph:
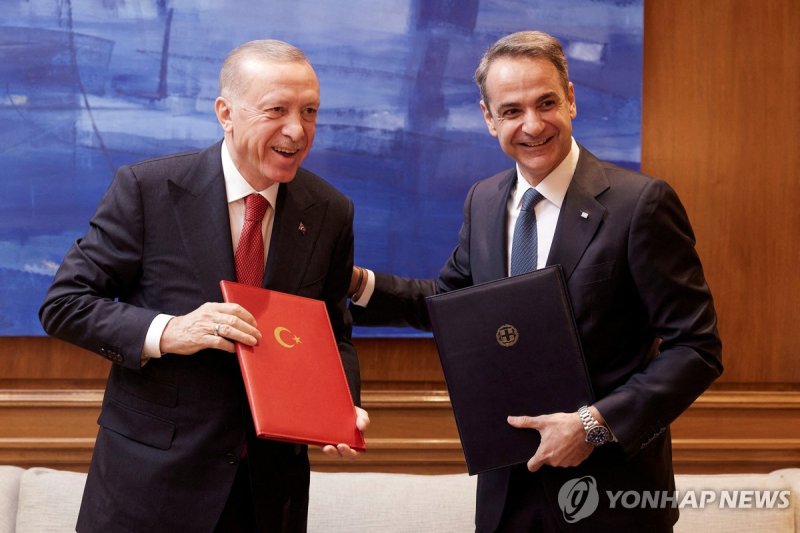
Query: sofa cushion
point(719, 516)
point(9, 496)
point(368, 502)
point(49, 500)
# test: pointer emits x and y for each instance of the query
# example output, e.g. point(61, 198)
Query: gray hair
point(231, 82)
point(523, 44)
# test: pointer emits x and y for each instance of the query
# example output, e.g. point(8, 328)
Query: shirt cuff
point(152, 341)
point(368, 290)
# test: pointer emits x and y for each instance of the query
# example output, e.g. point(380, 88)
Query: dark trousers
point(519, 516)
point(238, 515)
point(281, 504)
point(528, 510)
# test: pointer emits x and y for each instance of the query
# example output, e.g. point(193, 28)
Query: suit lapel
point(581, 213)
point(298, 223)
point(201, 209)
point(497, 214)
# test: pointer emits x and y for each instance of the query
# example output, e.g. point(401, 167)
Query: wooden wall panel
point(42, 362)
point(414, 431)
point(721, 123)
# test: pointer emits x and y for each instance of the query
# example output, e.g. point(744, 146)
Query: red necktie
point(249, 255)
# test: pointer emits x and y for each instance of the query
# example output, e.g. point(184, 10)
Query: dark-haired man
point(643, 309)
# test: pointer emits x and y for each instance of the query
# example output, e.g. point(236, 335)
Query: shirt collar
point(554, 186)
point(236, 187)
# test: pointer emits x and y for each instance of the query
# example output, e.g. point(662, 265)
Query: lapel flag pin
point(584, 214)
point(302, 228)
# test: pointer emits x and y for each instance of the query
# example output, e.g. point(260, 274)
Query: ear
point(487, 116)
point(573, 106)
point(222, 107)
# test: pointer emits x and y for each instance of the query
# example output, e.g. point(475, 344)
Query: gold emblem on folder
point(507, 335)
point(294, 338)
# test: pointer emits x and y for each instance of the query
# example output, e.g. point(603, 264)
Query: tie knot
point(255, 206)
point(530, 199)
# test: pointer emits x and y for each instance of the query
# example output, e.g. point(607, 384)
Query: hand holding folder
point(562, 439)
point(294, 379)
point(344, 450)
point(508, 347)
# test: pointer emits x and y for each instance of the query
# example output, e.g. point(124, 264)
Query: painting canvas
point(88, 85)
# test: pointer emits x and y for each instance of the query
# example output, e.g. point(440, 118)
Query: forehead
point(521, 77)
point(285, 80)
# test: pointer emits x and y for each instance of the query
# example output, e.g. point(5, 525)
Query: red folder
point(294, 377)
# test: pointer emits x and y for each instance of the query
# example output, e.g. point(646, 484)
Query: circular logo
point(507, 335)
point(578, 498)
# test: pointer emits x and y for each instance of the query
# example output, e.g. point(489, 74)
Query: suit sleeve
point(338, 280)
point(83, 304)
point(668, 275)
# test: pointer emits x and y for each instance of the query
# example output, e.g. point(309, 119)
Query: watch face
point(597, 436)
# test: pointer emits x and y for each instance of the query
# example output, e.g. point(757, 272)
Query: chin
point(284, 178)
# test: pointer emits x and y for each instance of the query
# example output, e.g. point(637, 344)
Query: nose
point(293, 126)
point(532, 123)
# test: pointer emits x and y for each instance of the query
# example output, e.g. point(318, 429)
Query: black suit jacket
point(172, 431)
point(643, 309)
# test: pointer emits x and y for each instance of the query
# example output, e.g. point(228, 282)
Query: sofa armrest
point(49, 500)
point(9, 497)
point(792, 477)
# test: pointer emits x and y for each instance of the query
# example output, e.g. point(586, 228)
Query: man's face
point(530, 113)
point(270, 126)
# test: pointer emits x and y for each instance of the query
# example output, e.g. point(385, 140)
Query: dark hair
point(530, 44)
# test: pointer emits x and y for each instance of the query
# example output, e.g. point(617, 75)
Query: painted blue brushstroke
point(88, 85)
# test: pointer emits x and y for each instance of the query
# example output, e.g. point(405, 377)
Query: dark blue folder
point(508, 347)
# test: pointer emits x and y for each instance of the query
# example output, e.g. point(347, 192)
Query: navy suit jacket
point(643, 310)
point(172, 431)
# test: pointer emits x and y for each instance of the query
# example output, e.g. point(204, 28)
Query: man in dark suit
point(176, 450)
point(643, 309)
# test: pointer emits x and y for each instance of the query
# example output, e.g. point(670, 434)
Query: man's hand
point(212, 325)
point(563, 439)
point(343, 450)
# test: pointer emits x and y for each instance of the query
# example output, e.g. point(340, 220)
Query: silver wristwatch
point(596, 435)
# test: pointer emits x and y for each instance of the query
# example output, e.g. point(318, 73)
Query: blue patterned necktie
point(525, 244)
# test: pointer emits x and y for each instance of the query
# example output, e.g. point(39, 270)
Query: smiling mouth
point(285, 152)
point(536, 144)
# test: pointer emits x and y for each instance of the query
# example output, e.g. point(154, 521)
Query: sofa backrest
point(40, 500)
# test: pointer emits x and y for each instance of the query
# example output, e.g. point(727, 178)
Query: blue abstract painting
point(88, 85)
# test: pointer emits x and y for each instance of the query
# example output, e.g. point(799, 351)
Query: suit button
point(231, 459)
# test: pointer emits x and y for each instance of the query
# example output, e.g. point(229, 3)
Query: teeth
point(287, 151)
point(534, 145)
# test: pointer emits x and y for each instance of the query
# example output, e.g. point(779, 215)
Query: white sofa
point(41, 500)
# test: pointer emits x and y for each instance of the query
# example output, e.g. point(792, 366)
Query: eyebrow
point(545, 96)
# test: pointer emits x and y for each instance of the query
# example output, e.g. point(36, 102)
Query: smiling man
point(643, 309)
point(176, 449)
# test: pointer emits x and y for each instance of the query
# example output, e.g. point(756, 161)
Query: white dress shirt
point(553, 187)
point(236, 189)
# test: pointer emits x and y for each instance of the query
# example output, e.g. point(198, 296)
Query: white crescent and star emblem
point(294, 340)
